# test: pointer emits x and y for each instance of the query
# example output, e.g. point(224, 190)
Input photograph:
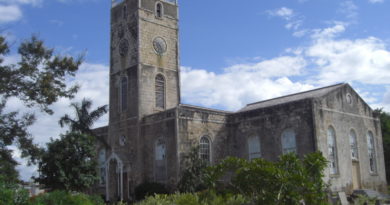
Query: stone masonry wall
point(334, 110)
point(268, 124)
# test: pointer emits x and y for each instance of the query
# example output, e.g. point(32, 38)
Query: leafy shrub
point(204, 198)
point(287, 181)
point(66, 198)
point(11, 194)
point(192, 177)
point(149, 188)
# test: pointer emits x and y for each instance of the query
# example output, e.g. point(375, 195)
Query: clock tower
point(144, 71)
point(144, 80)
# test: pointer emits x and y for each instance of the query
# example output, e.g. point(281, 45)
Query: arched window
point(159, 10)
point(371, 151)
point(160, 160)
point(289, 142)
point(124, 93)
point(160, 91)
point(332, 151)
point(102, 166)
point(204, 149)
point(354, 145)
point(254, 148)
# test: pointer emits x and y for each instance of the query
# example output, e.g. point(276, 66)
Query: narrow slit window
point(102, 167)
point(371, 152)
point(124, 85)
point(160, 91)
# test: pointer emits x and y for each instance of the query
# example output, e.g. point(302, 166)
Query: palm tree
point(84, 119)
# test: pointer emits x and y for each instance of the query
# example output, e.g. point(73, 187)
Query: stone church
point(150, 131)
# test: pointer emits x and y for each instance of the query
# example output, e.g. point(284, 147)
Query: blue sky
point(231, 52)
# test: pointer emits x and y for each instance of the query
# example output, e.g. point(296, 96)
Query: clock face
point(159, 45)
point(123, 47)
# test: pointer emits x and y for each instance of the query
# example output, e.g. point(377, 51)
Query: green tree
point(84, 119)
point(385, 125)
point(38, 79)
point(11, 194)
point(69, 163)
point(192, 178)
point(287, 181)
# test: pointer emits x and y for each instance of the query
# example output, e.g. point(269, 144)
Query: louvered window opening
point(160, 92)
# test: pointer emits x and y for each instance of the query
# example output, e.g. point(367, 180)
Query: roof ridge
point(205, 108)
point(338, 84)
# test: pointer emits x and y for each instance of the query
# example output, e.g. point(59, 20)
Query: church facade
point(150, 131)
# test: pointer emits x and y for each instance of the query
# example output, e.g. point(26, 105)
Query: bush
point(192, 177)
point(149, 188)
point(204, 198)
point(66, 198)
point(11, 194)
point(287, 181)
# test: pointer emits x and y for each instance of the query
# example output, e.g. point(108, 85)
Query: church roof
point(291, 98)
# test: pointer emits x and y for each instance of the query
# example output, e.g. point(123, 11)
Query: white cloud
point(283, 12)
point(10, 13)
point(31, 2)
point(327, 60)
point(242, 83)
point(349, 9)
point(10, 10)
point(329, 32)
point(94, 81)
point(294, 21)
point(376, 1)
point(362, 60)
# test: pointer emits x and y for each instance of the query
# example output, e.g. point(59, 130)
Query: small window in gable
point(159, 10)
point(254, 148)
point(371, 152)
point(204, 149)
point(332, 151)
point(160, 91)
point(354, 145)
point(124, 85)
point(289, 141)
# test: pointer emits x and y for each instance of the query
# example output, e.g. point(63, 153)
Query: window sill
point(334, 175)
point(374, 174)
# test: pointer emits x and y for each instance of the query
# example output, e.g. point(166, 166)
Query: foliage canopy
point(37, 79)
point(69, 163)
